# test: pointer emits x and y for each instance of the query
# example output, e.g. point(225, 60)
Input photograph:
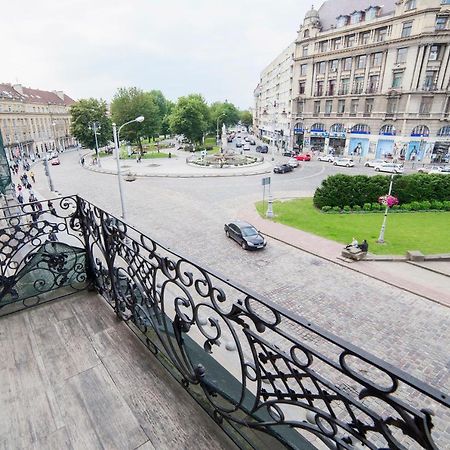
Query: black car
point(229, 139)
point(264, 149)
point(282, 168)
point(246, 235)
point(289, 153)
point(258, 148)
point(252, 142)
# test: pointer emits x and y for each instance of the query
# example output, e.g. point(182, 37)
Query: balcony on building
point(112, 340)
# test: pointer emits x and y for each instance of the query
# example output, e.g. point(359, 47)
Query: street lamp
point(95, 126)
point(116, 134)
point(217, 127)
point(383, 227)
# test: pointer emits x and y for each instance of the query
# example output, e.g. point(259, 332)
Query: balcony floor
point(73, 377)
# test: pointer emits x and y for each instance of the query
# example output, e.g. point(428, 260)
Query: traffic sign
point(266, 181)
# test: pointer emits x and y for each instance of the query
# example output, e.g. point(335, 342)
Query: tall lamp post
point(95, 126)
point(116, 134)
point(217, 128)
point(383, 227)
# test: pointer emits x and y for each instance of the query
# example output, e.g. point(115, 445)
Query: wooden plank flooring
point(73, 377)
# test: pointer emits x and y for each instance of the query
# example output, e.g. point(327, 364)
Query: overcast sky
point(89, 48)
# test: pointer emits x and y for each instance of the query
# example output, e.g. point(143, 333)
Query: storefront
point(318, 137)
point(359, 140)
point(441, 149)
point(386, 143)
point(299, 132)
point(337, 140)
point(416, 146)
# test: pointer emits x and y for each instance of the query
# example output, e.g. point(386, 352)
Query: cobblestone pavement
point(188, 215)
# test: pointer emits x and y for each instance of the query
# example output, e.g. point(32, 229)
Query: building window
point(406, 30)
point(402, 53)
point(373, 84)
point(447, 108)
point(444, 131)
point(441, 23)
point(361, 62)
point(354, 106)
point(388, 130)
point(391, 105)
point(364, 38)
point(300, 107)
point(341, 107)
point(368, 107)
point(333, 65)
point(306, 34)
point(301, 87)
point(356, 17)
point(425, 105)
point(345, 83)
point(305, 51)
point(331, 87)
point(323, 46)
point(397, 78)
point(445, 2)
point(347, 64)
point(371, 12)
point(342, 21)
point(435, 51)
point(336, 44)
point(420, 130)
point(429, 83)
point(376, 59)
point(349, 40)
point(319, 88)
point(303, 68)
point(317, 108)
point(410, 4)
point(380, 34)
point(322, 67)
point(328, 107)
point(359, 85)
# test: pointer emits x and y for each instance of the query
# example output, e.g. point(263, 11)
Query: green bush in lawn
point(367, 207)
point(340, 190)
point(336, 209)
point(425, 205)
point(437, 205)
point(356, 208)
point(376, 206)
point(347, 209)
point(326, 209)
point(446, 204)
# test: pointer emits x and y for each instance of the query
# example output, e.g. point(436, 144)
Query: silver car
point(344, 162)
point(390, 168)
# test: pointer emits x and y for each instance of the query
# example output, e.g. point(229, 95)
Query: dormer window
point(342, 21)
point(356, 17)
point(372, 12)
point(306, 34)
point(410, 4)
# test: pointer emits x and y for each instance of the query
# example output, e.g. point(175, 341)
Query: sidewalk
point(428, 284)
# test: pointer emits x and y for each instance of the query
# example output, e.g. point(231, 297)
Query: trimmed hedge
point(362, 190)
point(424, 205)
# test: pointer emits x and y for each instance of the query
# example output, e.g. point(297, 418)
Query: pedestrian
point(51, 208)
point(139, 158)
point(20, 198)
point(32, 177)
point(82, 161)
point(364, 246)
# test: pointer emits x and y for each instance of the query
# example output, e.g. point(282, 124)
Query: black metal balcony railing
point(253, 365)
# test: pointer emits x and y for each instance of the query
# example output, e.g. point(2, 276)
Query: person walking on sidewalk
point(32, 177)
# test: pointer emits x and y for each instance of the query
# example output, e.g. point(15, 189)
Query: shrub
point(405, 207)
point(326, 209)
point(357, 208)
point(415, 206)
point(376, 207)
point(347, 209)
point(367, 207)
point(425, 205)
point(336, 209)
point(446, 205)
point(437, 205)
point(396, 208)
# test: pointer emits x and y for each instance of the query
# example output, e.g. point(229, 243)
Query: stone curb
point(430, 269)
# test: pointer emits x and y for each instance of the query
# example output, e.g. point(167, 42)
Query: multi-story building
point(272, 112)
point(373, 80)
point(32, 120)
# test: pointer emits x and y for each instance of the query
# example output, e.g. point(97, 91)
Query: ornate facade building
point(371, 80)
point(33, 121)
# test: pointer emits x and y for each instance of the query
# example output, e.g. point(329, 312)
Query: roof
point(332, 9)
point(28, 95)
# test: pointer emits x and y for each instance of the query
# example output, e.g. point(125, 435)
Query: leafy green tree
point(129, 103)
point(161, 102)
point(223, 113)
point(165, 124)
point(190, 117)
point(246, 118)
point(84, 113)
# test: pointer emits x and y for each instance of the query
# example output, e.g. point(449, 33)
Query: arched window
point(337, 128)
point(388, 130)
point(360, 128)
point(444, 131)
point(299, 128)
point(306, 34)
point(420, 130)
point(318, 127)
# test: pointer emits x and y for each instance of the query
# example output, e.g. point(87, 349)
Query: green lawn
point(147, 155)
point(428, 232)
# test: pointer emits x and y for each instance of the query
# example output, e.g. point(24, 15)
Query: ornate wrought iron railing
point(253, 365)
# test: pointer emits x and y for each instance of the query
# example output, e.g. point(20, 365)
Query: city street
point(188, 215)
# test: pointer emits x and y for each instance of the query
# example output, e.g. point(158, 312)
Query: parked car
point(344, 162)
point(229, 139)
point(282, 168)
point(246, 235)
point(246, 146)
point(374, 162)
point(55, 162)
point(252, 142)
point(53, 155)
point(445, 171)
point(239, 144)
point(326, 158)
point(247, 139)
point(303, 157)
point(293, 163)
point(390, 168)
point(264, 149)
point(432, 169)
point(289, 153)
point(440, 170)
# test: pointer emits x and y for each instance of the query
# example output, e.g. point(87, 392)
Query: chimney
point(60, 94)
point(18, 88)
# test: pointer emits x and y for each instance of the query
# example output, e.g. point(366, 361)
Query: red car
point(303, 157)
point(55, 162)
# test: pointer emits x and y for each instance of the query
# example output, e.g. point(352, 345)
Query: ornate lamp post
point(389, 201)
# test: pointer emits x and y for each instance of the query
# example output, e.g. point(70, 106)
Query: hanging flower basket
point(388, 200)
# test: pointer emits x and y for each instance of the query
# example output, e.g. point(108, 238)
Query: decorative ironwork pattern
point(258, 365)
point(42, 254)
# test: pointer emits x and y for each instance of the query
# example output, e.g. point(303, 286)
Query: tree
point(161, 103)
point(223, 113)
point(165, 124)
point(190, 117)
point(129, 103)
point(84, 113)
point(247, 118)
